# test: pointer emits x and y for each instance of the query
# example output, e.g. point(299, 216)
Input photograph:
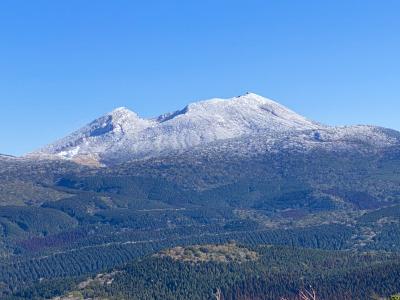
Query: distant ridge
point(6, 156)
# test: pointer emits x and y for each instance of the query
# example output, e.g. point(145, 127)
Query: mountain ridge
point(123, 135)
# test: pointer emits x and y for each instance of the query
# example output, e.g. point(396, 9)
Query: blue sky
point(64, 63)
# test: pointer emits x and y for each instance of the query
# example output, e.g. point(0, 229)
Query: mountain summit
point(122, 135)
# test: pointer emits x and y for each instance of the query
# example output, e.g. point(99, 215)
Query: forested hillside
point(232, 271)
point(86, 220)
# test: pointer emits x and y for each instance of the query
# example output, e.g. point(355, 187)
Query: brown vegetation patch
point(230, 252)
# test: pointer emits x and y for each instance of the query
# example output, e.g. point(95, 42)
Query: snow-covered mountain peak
point(250, 108)
point(210, 107)
point(120, 120)
point(123, 114)
point(247, 100)
point(122, 135)
point(119, 111)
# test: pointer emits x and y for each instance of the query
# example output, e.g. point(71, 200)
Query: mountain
point(244, 169)
point(122, 135)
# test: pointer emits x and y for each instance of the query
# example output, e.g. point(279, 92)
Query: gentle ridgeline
point(230, 271)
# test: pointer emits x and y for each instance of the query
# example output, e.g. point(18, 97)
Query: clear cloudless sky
point(64, 63)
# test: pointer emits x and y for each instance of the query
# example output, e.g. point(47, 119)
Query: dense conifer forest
point(66, 223)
